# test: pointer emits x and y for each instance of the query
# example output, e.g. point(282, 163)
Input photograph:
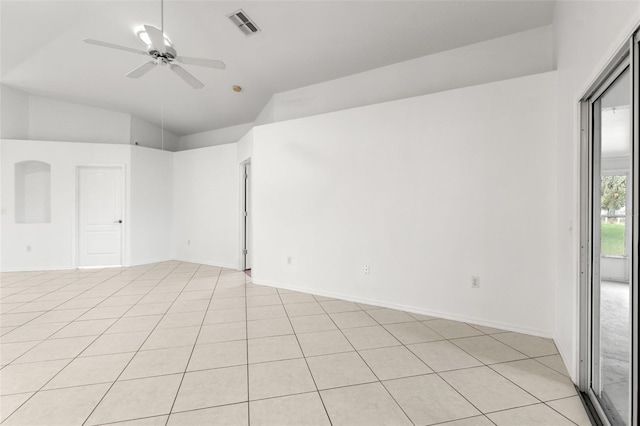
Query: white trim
point(206, 262)
point(635, 221)
point(241, 231)
point(40, 269)
point(412, 309)
point(86, 268)
point(606, 66)
point(147, 262)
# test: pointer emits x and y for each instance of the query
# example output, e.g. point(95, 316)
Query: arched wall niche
point(32, 192)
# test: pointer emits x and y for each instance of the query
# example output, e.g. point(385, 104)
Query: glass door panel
point(611, 333)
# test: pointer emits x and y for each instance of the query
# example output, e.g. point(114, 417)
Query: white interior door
point(100, 216)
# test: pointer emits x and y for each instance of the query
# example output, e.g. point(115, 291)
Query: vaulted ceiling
point(301, 43)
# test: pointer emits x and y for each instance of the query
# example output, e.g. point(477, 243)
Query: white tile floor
point(185, 344)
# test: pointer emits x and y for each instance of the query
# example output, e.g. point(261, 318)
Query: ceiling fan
point(162, 53)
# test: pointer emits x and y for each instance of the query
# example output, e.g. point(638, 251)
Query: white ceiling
point(301, 43)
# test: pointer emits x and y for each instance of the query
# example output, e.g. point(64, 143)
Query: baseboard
point(43, 269)
point(131, 264)
point(412, 309)
point(147, 262)
point(208, 263)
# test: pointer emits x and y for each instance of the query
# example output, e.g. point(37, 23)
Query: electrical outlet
point(366, 269)
point(28, 248)
point(188, 242)
point(289, 260)
point(475, 282)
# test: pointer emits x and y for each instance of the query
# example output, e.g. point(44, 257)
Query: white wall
point(245, 147)
point(14, 113)
point(32, 117)
point(151, 136)
point(205, 205)
point(148, 213)
point(54, 120)
point(428, 191)
point(205, 209)
point(215, 137)
point(587, 34)
point(151, 205)
point(516, 55)
point(267, 115)
point(52, 244)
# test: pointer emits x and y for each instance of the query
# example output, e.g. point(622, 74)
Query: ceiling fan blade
point(157, 38)
point(114, 46)
point(141, 70)
point(209, 63)
point(186, 76)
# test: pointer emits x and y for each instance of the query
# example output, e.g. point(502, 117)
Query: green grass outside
point(612, 238)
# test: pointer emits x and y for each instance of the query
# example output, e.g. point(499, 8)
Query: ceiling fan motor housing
point(168, 55)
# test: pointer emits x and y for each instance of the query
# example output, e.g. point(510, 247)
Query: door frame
point(627, 55)
point(76, 212)
point(241, 217)
point(635, 222)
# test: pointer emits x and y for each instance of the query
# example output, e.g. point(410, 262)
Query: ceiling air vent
point(242, 21)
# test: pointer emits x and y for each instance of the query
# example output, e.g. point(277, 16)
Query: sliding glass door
point(610, 242)
point(611, 289)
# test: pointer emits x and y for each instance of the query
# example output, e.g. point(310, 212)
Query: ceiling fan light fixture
point(141, 33)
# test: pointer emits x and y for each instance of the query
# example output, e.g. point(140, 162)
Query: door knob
point(117, 221)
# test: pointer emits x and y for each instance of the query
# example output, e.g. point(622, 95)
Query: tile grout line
point(56, 306)
point(41, 341)
point(438, 373)
point(420, 359)
point(538, 362)
point(563, 415)
point(59, 371)
point(303, 357)
point(142, 344)
point(77, 296)
point(186, 367)
point(363, 360)
point(539, 401)
point(525, 406)
point(401, 344)
point(458, 369)
point(483, 365)
point(201, 370)
point(447, 422)
point(40, 283)
point(69, 323)
point(490, 366)
point(246, 335)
